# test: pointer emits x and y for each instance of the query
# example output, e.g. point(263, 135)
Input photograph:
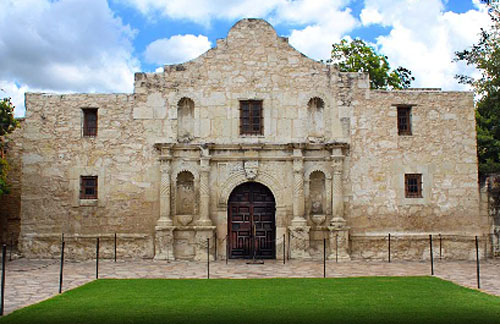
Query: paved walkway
point(31, 281)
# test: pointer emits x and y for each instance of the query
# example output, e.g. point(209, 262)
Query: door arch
point(251, 222)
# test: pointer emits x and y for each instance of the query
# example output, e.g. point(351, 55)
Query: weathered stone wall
point(56, 155)
point(322, 129)
point(10, 204)
point(442, 148)
point(491, 196)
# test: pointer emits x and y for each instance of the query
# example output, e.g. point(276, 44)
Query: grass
point(347, 300)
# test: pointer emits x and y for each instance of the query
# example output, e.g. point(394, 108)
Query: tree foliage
point(7, 125)
point(357, 56)
point(485, 56)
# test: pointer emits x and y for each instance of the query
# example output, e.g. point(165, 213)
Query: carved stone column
point(165, 218)
point(337, 191)
point(298, 189)
point(299, 231)
point(204, 219)
point(164, 238)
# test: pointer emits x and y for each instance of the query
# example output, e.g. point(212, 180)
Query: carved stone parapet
point(339, 243)
point(202, 233)
point(299, 242)
point(164, 242)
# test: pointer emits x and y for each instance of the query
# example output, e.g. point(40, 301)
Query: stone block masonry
point(244, 144)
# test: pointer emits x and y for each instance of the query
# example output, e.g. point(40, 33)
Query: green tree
point(357, 56)
point(485, 56)
point(7, 125)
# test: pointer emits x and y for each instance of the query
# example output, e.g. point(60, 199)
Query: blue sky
point(70, 46)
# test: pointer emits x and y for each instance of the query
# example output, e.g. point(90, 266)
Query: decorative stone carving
point(337, 191)
point(251, 169)
point(204, 219)
point(299, 242)
point(298, 189)
point(339, 244)
point(164, 242)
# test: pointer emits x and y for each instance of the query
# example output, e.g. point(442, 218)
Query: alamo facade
point(250, 143)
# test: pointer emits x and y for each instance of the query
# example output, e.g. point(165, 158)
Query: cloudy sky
point(96, 45)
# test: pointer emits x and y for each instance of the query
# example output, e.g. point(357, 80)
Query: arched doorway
point(251, 222)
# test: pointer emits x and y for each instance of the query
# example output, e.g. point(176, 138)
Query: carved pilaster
point(204, 219)
point(337, 191)
point(165, 218)
point(298, 188)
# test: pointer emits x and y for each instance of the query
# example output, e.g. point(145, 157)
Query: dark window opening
point(88, 187)
point(251, 119)
point(413, 185)
point(404, 120)
point(90, 122)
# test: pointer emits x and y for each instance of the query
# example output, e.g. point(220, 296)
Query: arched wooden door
point(251, 222)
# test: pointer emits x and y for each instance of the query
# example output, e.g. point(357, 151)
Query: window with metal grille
point(251, 119)
point(89, 122)
point(413, 185)
point(88, 187)
point(404, 120)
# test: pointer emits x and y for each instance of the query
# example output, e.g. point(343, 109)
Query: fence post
point(208, 258)
point(227, 247)
point(215, 246)
point(284, 248)
point(61, 267)
point(389, 248)
point(440, 246)
point(477, 265)
point(115, 246)
point(336, 247)
point(2, 297)
point(432, 256)
point(324, 258)
point(11, 244)
point(97, 259)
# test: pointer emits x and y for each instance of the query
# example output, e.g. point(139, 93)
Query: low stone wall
point(81, 247)
point(417, 247)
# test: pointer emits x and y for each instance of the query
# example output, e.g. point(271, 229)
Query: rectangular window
point(413, 185)
point(404, 120)
point(88, 187)
point(251, 119)
point(89, 122)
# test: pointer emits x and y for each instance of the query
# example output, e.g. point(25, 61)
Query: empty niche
point(185, 119)
point(317, 192)
point(315, 108)
point(185, 196)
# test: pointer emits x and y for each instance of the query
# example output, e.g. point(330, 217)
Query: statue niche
point(185, 197)
point(316, 122)
point(185, 120)
point(317, 197)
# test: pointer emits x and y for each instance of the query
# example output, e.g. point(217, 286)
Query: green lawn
point(348, 300)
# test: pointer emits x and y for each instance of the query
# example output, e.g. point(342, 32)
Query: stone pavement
point(31, 281)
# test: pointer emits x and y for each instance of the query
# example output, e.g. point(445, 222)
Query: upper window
point(88, 187)
point(90, 122)
point(413, 185)
point(251, 119)
point(404, 120)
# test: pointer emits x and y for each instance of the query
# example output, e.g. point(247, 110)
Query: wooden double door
point(251, 222)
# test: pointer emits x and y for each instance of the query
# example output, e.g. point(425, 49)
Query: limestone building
point(250, 143)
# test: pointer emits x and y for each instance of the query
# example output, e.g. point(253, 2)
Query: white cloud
point(424, 38)
point(204, 11)
point(16, 93)
point(66, 45)
point(176, 49)
point(316, 24)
